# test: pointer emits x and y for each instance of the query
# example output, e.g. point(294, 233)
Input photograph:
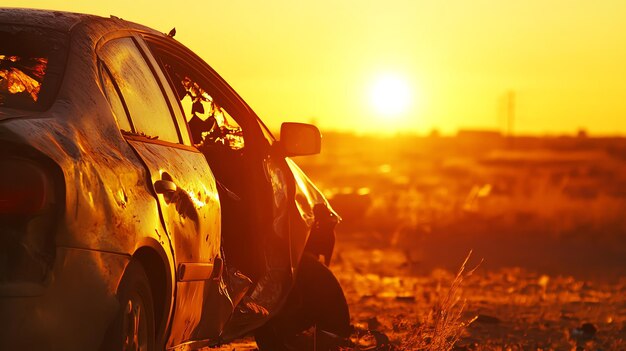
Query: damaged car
point(144, 205)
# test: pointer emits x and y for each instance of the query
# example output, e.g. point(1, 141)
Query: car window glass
point(31, 66)
point(114, 100)
point(201, 107)
point(140, 90)
point(167, 90)
point(209, 123)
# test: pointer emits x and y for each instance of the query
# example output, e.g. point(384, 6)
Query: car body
point(100, 169)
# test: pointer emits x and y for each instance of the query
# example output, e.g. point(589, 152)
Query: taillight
point(23, 187)
point(27, 221)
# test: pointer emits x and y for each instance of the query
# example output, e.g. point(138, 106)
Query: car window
point(114, 100)
point(167, 91)
point(209, 122)
point(140, 90)
point(31, 66)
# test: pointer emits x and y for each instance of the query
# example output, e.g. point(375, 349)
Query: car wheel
point(315, 317)
point(133, 328)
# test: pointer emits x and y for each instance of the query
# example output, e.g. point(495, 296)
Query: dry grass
point(444, 325)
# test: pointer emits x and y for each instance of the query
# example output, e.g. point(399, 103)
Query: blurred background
point(551, 204)
point(542, 216)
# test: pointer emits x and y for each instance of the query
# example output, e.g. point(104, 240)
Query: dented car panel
point(316, 218)
point(96, 196)
point(192, 219)
point(307, 195)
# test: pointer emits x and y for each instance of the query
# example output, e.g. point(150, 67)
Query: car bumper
point(71, 311)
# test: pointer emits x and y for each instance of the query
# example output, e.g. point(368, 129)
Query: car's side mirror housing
point(300, 139)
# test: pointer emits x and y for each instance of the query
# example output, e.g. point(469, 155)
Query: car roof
point(56, 20)
point(62, 21)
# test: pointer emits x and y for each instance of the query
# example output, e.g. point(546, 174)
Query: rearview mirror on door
point(300, 139)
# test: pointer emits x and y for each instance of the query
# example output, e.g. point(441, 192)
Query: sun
point(390, 96)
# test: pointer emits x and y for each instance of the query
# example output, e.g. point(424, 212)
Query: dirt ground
point(511, 308)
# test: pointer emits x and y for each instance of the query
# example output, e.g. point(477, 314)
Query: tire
point(133, 328)
point(317, 300)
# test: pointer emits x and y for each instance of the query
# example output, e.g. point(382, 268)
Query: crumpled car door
point(190, 207)
point(185, 189)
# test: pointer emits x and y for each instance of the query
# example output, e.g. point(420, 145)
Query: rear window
point(31, 66)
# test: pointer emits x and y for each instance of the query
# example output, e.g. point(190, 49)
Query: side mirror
point(300, 139)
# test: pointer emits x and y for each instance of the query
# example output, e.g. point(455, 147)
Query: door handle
point(164, 186)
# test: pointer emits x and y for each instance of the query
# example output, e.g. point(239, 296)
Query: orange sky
point(319, 60)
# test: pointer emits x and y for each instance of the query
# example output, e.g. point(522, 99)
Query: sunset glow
point(391, 96)
point(303, 61)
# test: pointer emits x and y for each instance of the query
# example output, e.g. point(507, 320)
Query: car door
point(183, 183)
point(260, 180)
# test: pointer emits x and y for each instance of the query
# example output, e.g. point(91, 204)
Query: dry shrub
point(444, 325)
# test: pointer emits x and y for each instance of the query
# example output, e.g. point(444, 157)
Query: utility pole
point(510, 112)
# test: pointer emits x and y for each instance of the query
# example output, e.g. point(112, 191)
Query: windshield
point(31, 66)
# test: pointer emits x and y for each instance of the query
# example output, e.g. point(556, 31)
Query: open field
point(517, 309)
point(552, 205)
point(546, 216)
